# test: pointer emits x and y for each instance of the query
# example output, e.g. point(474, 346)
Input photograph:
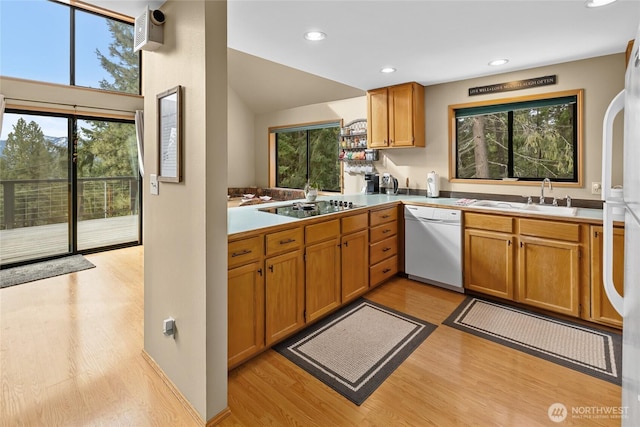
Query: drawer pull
point(284, 242)
point(386, 231)
point(386, 249)
point(386, 270)
point(385, 216)
point(242, 252)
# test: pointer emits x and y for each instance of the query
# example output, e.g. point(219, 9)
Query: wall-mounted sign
point(517, 85)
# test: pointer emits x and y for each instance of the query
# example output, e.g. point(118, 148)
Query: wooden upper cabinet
point(628, 52)
point(396, 116)
point(378, 118)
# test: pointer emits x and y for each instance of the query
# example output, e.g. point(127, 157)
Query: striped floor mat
point(591, 351)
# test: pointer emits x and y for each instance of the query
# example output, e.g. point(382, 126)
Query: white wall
point(185, 226)
point(602, 78)
point(241, 143)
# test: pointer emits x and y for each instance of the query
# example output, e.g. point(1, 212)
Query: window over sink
point(518, 139)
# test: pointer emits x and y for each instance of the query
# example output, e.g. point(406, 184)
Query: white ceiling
point(428, 41)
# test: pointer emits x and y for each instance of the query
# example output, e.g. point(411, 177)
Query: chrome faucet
point(542, 189)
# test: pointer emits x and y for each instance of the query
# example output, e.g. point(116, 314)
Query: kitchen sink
point(550, 210)
point(495, 204)
point(524, 208)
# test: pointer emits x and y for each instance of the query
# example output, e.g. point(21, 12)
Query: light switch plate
point(153, 184)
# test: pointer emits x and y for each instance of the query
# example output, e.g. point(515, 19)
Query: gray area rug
point(355, 349)
point(43, 270)
point(584, 349)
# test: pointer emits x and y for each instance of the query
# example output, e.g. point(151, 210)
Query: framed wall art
point(170, 135)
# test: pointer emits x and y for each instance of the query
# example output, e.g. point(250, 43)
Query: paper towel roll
point(433, 184)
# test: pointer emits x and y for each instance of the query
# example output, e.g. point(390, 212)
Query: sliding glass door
point(34, 187)
point(107, 183)
point(56, 200)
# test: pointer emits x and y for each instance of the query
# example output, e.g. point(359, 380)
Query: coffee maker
point(372, 182)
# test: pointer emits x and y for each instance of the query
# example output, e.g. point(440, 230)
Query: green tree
point(122, 62)
point(27, 154)
point(106, 148)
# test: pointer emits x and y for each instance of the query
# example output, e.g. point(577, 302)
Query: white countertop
point(249, 218)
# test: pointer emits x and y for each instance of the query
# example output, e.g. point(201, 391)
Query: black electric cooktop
point(309, 209)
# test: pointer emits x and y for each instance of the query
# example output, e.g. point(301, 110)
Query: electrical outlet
point(596, 188)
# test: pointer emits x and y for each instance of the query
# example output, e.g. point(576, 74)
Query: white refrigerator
point(627, 205)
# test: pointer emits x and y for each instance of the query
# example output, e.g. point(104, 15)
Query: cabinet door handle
point(271, 268)
point(346, 244)
point(284, 242)
point(386, 270)
point(260, 271)
point(386, 249)
point(521, 245)
point(242, 252)
point(508, 242)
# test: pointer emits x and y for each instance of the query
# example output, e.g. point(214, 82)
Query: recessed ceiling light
point(598, 3)
point(388, 70)
point(315, 36)
point(496, 62)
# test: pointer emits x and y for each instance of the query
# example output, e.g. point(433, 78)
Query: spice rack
point(353, 143)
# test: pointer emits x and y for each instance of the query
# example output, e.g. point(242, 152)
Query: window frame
point(579, 148)
point(273, 155)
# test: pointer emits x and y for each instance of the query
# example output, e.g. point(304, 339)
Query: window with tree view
point(530, 139)
point(71, 46)
point(308, 154)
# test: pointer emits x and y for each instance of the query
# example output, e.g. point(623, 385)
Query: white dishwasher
point(433, 246)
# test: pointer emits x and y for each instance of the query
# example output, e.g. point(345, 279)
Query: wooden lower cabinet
point(284, 295)
point(489, 254)
point(322, 278)
point(355, 264)
point(531, 261)
point(549, 275)
point(489, 262)
point(245, 312)
point(601, 309)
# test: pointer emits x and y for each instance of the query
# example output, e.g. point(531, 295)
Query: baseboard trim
point(176, 392)
point(221, 416)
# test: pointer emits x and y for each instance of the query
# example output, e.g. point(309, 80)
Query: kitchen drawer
point(383, 231)
point(569, 232)
point(244, 251)
point(284, 241)
point(383, 215)
point(383, 270)
point(322, 231)
point(499, 223)
point(382, 250)
point(354, 223)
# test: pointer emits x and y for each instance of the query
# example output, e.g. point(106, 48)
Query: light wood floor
point(70, 355)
